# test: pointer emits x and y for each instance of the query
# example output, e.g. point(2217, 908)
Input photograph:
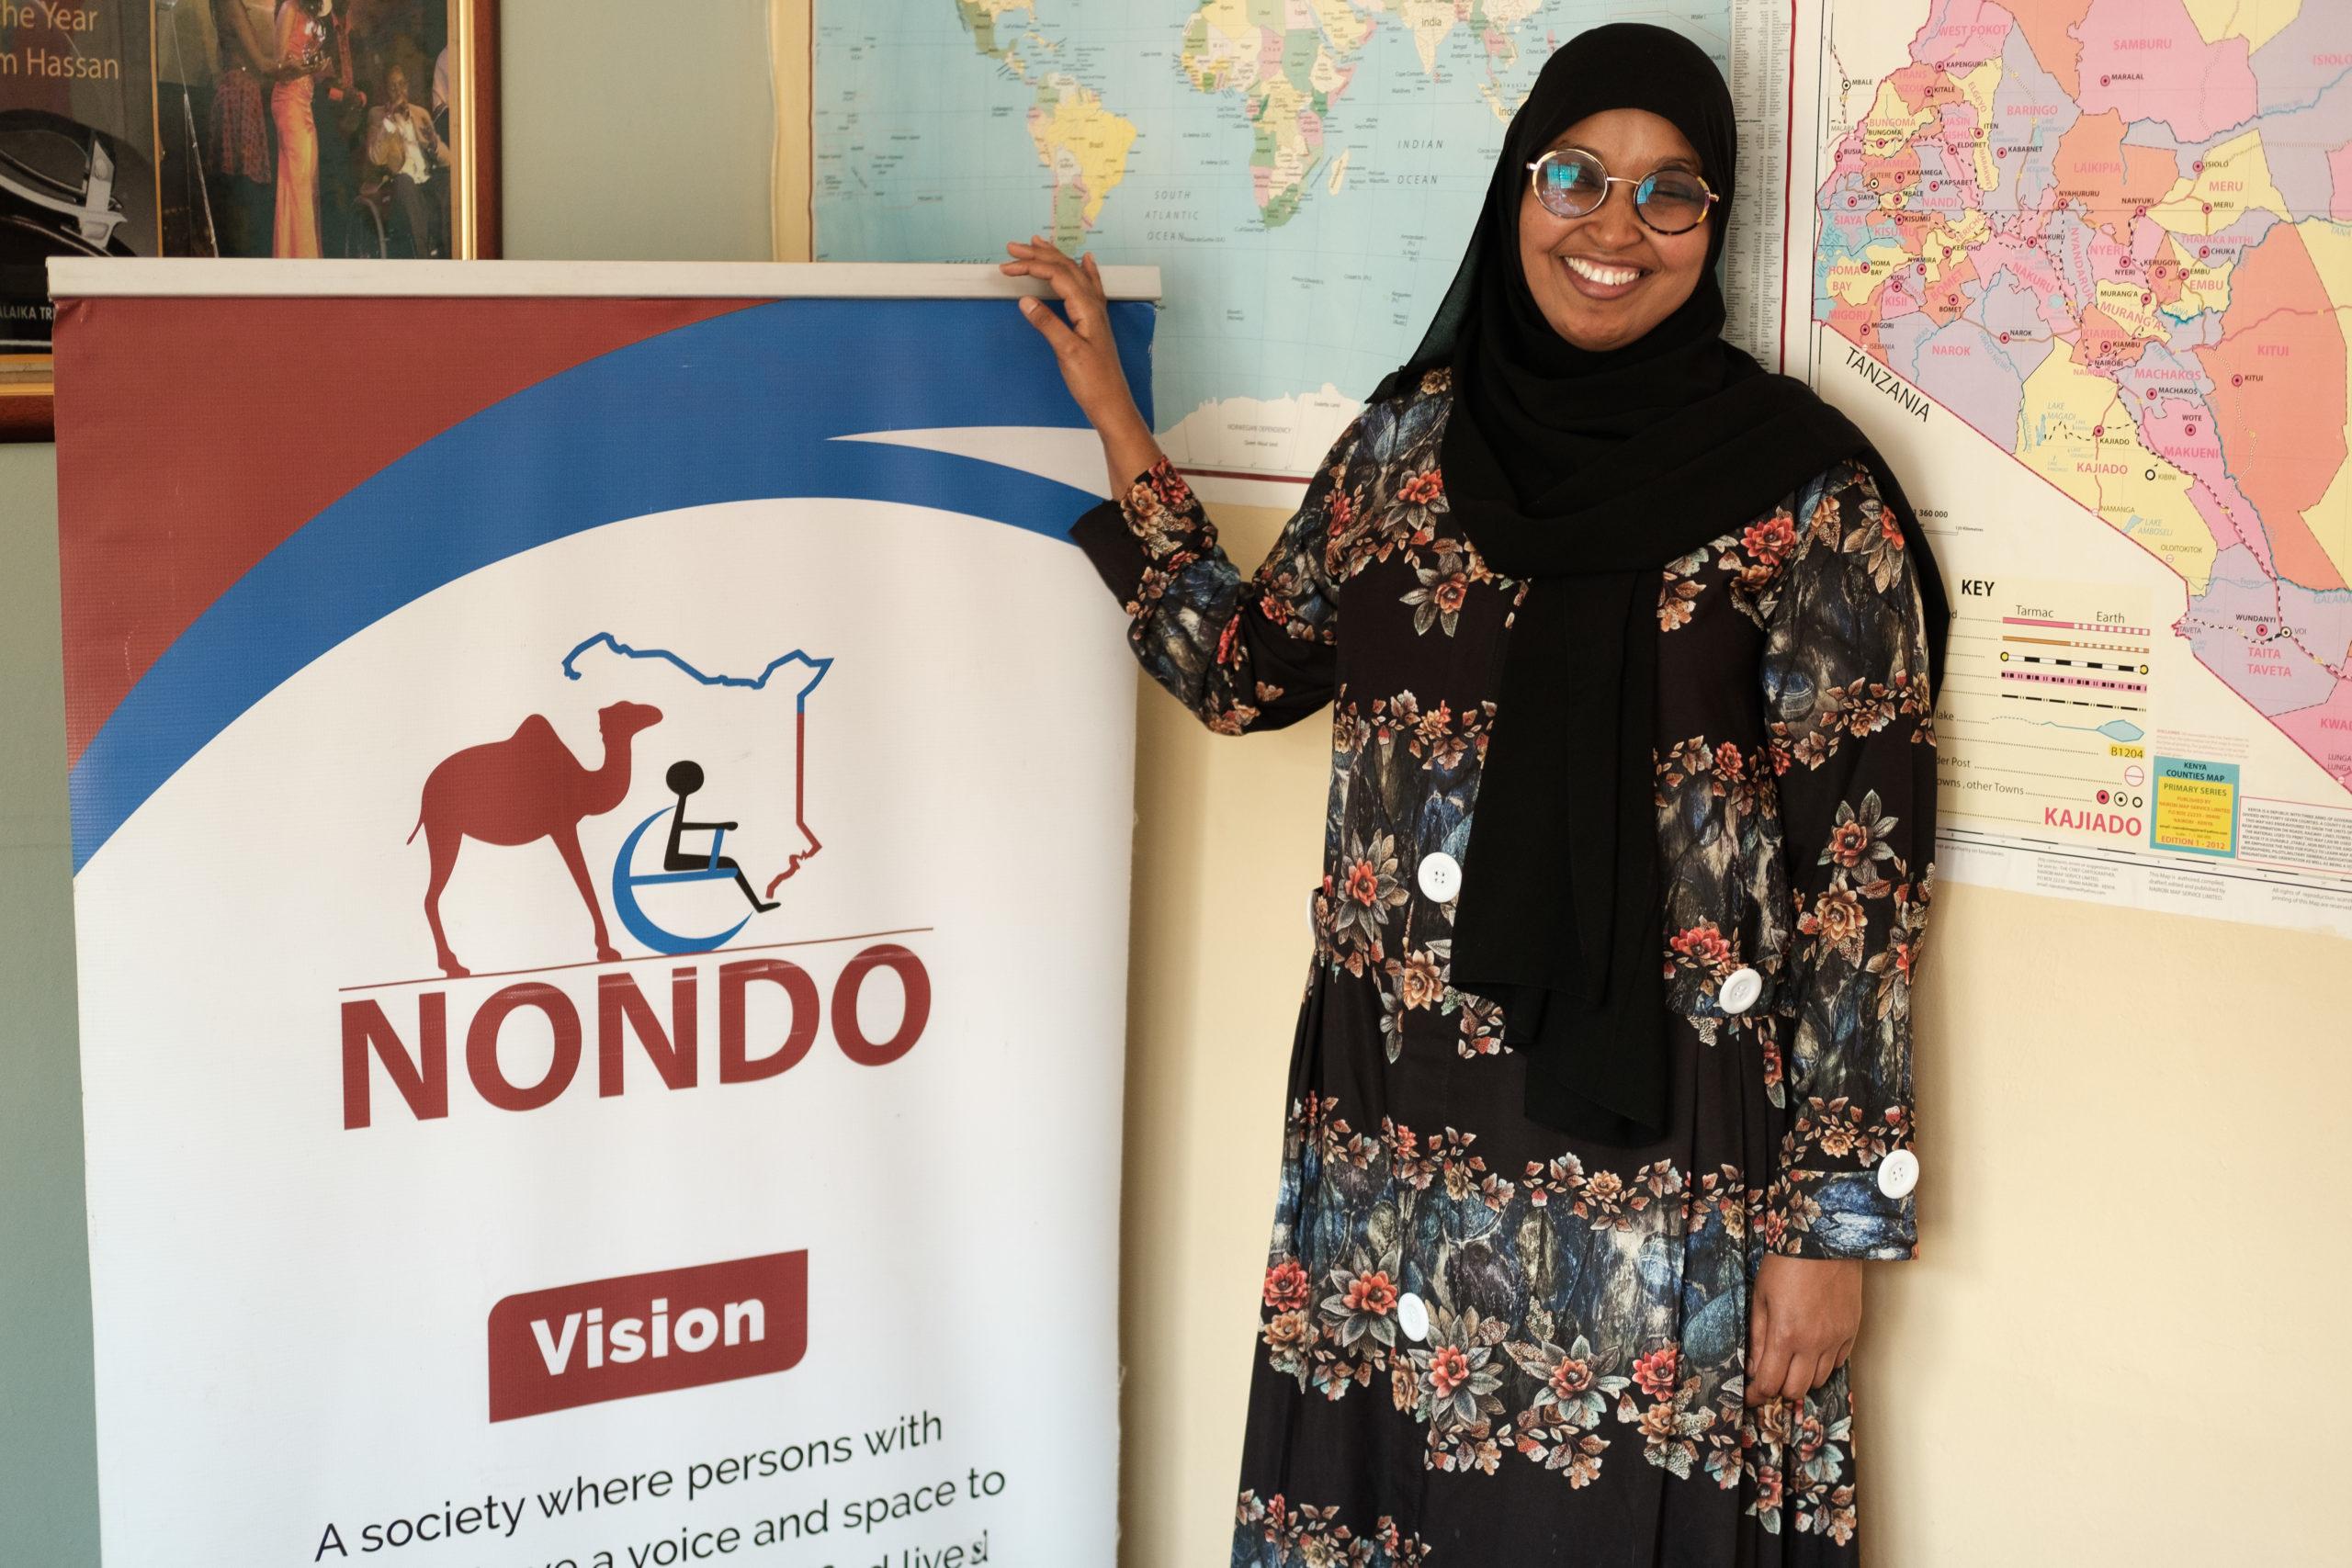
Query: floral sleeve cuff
point(1151, 529)
point(1102, 534)
point(1845, 1187)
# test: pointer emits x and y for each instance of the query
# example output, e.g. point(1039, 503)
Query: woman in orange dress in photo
point(302, 54)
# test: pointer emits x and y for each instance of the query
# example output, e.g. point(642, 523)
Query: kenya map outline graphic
point(818, 668)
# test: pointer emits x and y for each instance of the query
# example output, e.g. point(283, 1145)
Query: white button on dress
point(1413, 1316)
point(1440, 876)
point(1898, 1173)
point(1741, 989)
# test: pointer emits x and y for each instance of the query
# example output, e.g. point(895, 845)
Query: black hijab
point(1584, 473)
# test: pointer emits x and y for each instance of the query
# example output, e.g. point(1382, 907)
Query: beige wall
point(636, 129)
point(49, 1490)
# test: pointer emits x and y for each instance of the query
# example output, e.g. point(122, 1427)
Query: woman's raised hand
point(1084, 350)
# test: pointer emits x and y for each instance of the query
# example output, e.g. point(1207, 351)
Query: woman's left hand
point(1802, 1324)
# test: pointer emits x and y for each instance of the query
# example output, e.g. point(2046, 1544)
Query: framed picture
point(350, 128)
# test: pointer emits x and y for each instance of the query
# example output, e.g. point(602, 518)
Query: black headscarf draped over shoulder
point(1583, 473)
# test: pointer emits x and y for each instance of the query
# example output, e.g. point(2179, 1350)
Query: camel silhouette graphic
point(526, 787)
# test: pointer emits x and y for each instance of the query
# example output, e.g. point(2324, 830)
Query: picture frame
point(169, 143)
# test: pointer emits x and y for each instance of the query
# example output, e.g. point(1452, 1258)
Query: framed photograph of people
point(353, 129)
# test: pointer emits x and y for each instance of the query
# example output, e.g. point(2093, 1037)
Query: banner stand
point(602, 811)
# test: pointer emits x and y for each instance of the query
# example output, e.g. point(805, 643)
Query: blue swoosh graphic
point(743, 406)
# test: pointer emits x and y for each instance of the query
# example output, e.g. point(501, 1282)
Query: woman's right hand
point(1087, 354)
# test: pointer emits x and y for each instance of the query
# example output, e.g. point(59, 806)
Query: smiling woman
point(1604, 276)
point(1600, 1090)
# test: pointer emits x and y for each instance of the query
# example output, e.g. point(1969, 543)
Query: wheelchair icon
point(679, 864)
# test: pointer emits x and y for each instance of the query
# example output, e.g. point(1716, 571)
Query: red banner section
point(302, 399)
point(616, 1339)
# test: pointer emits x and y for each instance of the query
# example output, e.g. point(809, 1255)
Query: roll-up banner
point(602, 808)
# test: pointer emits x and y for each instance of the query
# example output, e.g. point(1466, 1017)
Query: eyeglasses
point(1572, 183)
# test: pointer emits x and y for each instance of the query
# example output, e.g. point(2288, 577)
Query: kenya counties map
point(2086, 267)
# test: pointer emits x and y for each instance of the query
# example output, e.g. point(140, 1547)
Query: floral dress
point(1484, 1343)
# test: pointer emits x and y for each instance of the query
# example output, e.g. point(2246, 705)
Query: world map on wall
point(2082, 267)
point(2115, 238)
point(1303, 172)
